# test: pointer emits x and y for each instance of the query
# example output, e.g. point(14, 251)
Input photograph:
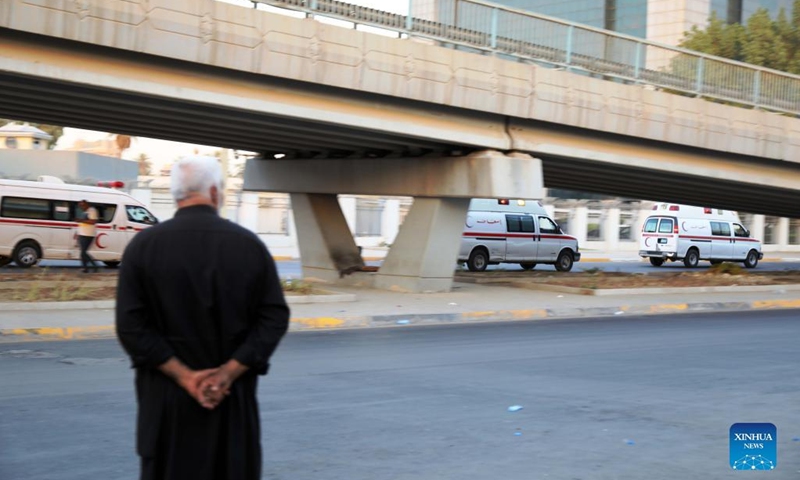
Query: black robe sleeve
point(135, 329)
point(270, 323)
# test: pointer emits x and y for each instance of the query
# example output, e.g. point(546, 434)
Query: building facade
point(603, 226)
point(663, 21)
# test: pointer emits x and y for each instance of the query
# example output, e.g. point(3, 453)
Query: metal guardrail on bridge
point(526, 36)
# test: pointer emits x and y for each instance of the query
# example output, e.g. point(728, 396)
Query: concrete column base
point(328, 251)
point(423, 256)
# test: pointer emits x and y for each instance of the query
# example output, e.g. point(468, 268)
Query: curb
point(607, 292)
point(110, 304)
point(376, 321)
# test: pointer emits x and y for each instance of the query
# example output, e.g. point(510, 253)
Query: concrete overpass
point(352, 112)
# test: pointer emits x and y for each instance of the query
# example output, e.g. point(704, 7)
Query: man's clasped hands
point(210, 386)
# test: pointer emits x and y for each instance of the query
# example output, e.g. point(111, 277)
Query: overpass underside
point(341, 141)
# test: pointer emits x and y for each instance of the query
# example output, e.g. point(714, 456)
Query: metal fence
point(526, 36)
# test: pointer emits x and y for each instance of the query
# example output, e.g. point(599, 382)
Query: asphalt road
point(292, 269)
point(647, 398)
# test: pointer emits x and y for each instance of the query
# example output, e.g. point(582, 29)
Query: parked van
point(514, 231)
point(681, 232)
point(37, 221)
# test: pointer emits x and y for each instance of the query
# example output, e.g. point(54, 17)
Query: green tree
point(53, 130)
point(763, 46)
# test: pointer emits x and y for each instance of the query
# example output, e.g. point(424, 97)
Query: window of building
point(626, 226)
point(770, 230)
point(368, 217)
point(11, 142)
point(562, 219)
point(547, 226)
point(594, 227)
point(794, 231)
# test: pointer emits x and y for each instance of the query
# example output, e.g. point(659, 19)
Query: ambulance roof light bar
point(112, 184)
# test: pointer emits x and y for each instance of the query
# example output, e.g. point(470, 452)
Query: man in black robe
point(200, 310)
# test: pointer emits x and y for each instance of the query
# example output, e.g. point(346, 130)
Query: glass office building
point(663, 21)
point(624, 16)
point(738, 11)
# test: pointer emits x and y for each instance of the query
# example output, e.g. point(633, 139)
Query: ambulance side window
point(547, 226)
point(651, 225)
point(740, 231)
point(61, 210)
point(513, 223)
point(140, 215)
point(665, 226)
point(526, 222)
point(105, 211)
point(28, 208)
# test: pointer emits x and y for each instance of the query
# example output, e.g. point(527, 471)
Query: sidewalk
point(467, 303)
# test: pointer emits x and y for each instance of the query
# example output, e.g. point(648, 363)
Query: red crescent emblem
point(97, 241)
point(647, 241)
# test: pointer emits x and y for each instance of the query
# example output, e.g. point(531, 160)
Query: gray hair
point(195, 175)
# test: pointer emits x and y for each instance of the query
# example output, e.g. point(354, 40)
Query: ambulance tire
point(527, 266)
point(692, 258)
point(111, 264)
point(478, 260)
point(656, 261)
point(751, 260)
point(565, 261)
point(27, 254)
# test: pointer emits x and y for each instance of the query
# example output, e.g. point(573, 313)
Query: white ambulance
point(681, 232)
point(514, 231)
point(37, 220)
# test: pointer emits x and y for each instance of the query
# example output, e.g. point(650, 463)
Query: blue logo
point(754, 446)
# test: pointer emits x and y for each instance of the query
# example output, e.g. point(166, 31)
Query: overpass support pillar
point(423, 255)
point(327, 247)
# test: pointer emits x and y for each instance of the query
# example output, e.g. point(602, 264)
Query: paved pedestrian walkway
point(467, 303)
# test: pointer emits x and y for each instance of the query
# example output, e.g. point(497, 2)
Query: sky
point(162, 152)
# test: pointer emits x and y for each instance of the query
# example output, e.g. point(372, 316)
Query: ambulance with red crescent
point(37, 221)
point(514, 231)
point(690, 234)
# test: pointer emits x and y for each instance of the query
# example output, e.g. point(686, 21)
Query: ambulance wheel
point(27, 254)
point(111, 264)
point(656, 261)
point(478, 260)
point(4, 261)
point(692, 258)
point(527, 266)
point(564, 262)
point(752, 259)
